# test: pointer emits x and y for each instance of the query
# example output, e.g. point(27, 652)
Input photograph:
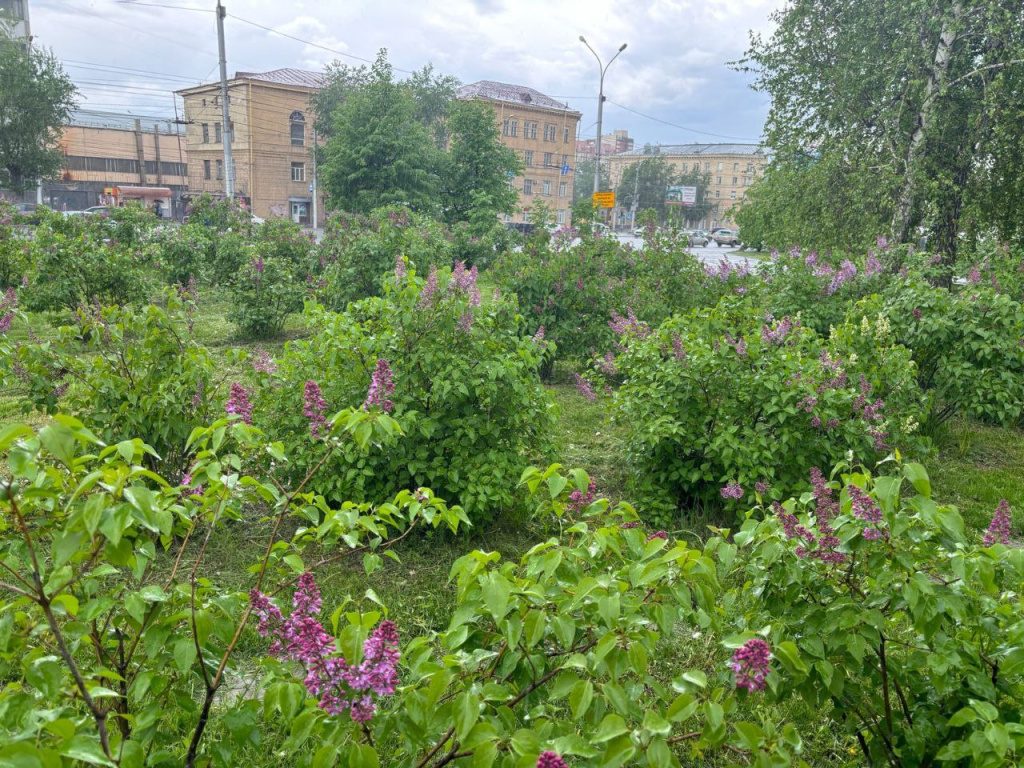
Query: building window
point(561, 217)
point(526, 215)
point(298, 171)
point(565, 160)
point(527, 186)
point(719, 167)
point(735, 166)
point(206, 169)
point(216, 133)
point(750, 167)
point(717, 193)
point(507, 218)
point(547, 160)
point(529, 130)
point(528, 156)
point(206, 133)
point(510, 127)
point(298, 128)
point(733, 194)
point(547, 187)
point(563, 189)
point(707, 167)
point(718, 179)
point(220, 169)
point(549, 132)
point(735, 180)
point(565, 139)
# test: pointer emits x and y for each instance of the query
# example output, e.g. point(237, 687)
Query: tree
point(340, 82)
point(583, 179)
point(379, 153)
point(900, 98)
point(36, 99)
point(648, 181)
point(477, 167)
point(432, 94)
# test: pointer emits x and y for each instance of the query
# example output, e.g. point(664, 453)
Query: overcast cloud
point(674, 68)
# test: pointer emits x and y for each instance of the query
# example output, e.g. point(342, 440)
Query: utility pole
point(225, 111)
point(636, 195)
point(600, 107)
point(312, 186)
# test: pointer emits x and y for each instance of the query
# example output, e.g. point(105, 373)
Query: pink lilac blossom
point(8, 303)
point(400, 267)
point(998, 531)
point(238, 403)
point(974, 275)
point(257, 265)
point(314, 407)
point(551, 760)
point(762, 487)
point(466, 321)
point(337, 685)
point(629, 525)
point(262, 362)
point(199, 394)
point(430, 288)
point(872, 266)
point(628, 324)
point(741, 347)
point(663, 535)
point(607, 364)
point(382, 386)
point(186, 481)
point(584, 388)
point(678, 350)
point(882, 242)
point(751, 664)
point(777, 334)
point(579, 501)
point(732, 491)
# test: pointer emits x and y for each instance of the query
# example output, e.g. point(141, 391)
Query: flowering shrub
point(910, 632)
point(16, 253)
point(183, 253)
point(720, 400)
point(820, 287)
point(80, 259)
point(275, 281)
point(967, 344)
point(129, 372)
point(460, 377)
point(358, 253)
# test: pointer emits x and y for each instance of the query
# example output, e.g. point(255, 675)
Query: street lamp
point(600, 107)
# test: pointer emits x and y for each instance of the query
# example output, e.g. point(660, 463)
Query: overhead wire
point(683, 127)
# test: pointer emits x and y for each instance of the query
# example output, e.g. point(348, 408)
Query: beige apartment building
point(732, 168)
point(542, 132)
point(271, 142)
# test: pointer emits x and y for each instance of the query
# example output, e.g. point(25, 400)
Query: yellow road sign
point(604, 199)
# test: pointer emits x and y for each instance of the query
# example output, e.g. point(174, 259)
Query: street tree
point(644, 185)
point(583, 179)
point(477, 167)
point(379, 153)
point(901, 100)
point(340, 82)
point(433, 94)
point(36, 100)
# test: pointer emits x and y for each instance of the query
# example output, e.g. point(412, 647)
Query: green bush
point(129, 373)
point(902, 626)
point(16, 252)
point(466, 393)
point(357, 253)
point(966, 343)
point(724, 404)
point(183, 253)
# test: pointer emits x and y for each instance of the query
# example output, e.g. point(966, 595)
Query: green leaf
point(612, 726)
point(789, 655)
point(45, 675)
point(580, 698)
point(917, 475)
point(467, 712)
point(556, 484)
point(83, 748)
point(184, 654)
point(964, 716)
point(496, 591)
point(59, 441)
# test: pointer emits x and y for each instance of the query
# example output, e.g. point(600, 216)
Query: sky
point(671, 85)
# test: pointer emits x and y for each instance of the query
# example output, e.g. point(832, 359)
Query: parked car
point(725, 237)
point(698, 238)
point(639, 232)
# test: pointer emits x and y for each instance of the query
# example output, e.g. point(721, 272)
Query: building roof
point(286, 76)
point(696, 149)
point(514, 94)
point(120, 121)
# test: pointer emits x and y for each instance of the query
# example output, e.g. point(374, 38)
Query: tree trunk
point(936, 80)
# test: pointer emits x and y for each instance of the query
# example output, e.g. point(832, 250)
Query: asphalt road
point(710, 254)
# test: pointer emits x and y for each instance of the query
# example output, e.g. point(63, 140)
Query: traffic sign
point(604, 199)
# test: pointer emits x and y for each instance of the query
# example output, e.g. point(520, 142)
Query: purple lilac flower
point(917, 314)
point(551, 760)
point(238, 403)
point(496, 295)
point(8, 303)
point(678, 350)
point(199, 394)
point(584, 388)
point(628, 324)
point(732, 491)
point(314, 407)
point(810, 260)
point(257, 265)
point(579, 501)
point(430, 288)
point(336, 684)
point(663, 535)
point(883, 242)
point(629, 525)
point(382, 386)
point(466, 321)
point(974, 275)
point(262, 362)
point(186, 482)
point(400, 267)
point(751, 663)
point(872, 266)
point(777, 334)
point(762, 487)
point(998, 531)
point(607, 364)
point(741, 347)
point(789, 522)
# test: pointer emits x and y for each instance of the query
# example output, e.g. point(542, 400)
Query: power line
point(174, 7)
point(311, 43)
point(126, 70)
point(683, 127)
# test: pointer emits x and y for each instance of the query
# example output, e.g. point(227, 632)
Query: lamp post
point(600, 107)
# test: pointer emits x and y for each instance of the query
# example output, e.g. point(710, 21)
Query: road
point(711, 254)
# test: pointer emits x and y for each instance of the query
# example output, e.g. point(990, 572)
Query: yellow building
point(104, 150)
point(542, 132)
point(272, 141)
point(731, 168)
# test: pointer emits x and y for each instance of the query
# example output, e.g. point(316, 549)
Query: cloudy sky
point(130, 56)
